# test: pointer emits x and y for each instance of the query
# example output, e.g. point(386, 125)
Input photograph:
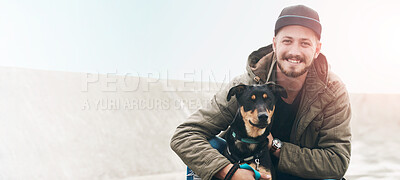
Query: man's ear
point(317, 49)
point(277, 89)
point(274, 43)
point(237, 90)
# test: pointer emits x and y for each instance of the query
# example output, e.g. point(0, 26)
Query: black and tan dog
point(246, 138)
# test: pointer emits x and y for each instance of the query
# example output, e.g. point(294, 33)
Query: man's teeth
point(294, 61)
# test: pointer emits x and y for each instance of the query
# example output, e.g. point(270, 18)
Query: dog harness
point(246, 160)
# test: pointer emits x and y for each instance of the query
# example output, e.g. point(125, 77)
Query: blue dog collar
point(257, 175)
point(245, 140)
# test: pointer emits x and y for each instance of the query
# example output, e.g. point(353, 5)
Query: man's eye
point(286, 41)
point(305, 44)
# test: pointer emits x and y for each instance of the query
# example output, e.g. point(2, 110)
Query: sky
point(194, 40)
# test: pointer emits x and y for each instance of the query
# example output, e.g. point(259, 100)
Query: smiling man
point(310, 136)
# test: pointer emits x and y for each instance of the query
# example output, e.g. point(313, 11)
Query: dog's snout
point(263, 116)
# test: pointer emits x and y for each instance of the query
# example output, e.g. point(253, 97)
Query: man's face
point(296, 47)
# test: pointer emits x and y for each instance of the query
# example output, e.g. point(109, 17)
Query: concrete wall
point(60, 125)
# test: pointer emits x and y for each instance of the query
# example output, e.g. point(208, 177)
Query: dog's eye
point(253, 97)
point(265, 96)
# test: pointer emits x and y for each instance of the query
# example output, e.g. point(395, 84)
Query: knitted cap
point(299, 15)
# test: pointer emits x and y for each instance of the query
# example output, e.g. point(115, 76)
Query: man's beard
point(289, 73)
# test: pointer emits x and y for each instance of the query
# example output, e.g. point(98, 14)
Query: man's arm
point(331, 158)
point(190, 141)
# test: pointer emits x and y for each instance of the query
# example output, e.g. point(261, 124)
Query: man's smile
point(294, 61)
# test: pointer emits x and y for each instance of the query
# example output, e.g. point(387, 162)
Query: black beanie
point(299, 15)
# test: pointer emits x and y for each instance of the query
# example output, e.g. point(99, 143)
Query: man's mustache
point(298, 57)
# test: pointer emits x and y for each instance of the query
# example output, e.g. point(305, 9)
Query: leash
point(232, 171)
point(257, 174)
point(236, 166)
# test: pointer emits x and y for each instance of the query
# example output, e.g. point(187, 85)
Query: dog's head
point(257, 103)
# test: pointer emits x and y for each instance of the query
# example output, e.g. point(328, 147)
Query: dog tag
point(257, 163)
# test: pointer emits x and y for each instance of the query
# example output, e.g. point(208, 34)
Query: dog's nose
point(262, 117)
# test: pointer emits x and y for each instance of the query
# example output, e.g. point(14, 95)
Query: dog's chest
point(245, 147)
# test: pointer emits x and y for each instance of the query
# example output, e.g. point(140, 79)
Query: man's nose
point(294, 50)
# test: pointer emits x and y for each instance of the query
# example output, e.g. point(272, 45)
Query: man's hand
point(247, 174)
point(277, 152)
point(270, 138)
point(240, 174)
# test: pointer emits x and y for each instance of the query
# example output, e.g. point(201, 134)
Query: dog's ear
point(237, 90)
point(277, 89)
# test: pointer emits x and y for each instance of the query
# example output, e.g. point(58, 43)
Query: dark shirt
point(284, 117)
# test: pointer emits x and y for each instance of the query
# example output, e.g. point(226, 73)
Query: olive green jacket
point(320, 141)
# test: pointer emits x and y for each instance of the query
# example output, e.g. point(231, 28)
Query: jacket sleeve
point(190, 141)
point(331, 157)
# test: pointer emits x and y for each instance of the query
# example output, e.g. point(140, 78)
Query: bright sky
point(199, 40)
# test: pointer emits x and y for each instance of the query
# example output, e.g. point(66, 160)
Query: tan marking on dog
point(261, 169)
point(265, 96)
point(241, 145)
point(252, 116)
point(253, 97)
point(270, 114)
